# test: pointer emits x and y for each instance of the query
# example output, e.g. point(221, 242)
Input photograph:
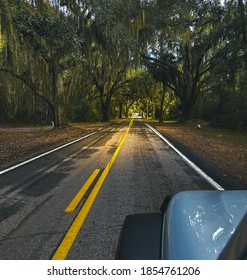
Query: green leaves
point(46, 31)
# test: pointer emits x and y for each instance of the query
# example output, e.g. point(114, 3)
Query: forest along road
point(44, 213)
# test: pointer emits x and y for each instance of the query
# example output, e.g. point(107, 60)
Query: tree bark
point(60, 119)
point(105, 111)
point(105, 101)
point(120, 116)
point(161, 114)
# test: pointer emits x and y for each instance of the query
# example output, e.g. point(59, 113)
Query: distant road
point(71, 204)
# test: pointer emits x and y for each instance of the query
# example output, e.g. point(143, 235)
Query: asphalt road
point(131, 171)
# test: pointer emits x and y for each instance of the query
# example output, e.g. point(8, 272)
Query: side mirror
point(141, 237)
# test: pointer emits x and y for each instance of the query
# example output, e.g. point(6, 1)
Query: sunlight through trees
point(91, 60)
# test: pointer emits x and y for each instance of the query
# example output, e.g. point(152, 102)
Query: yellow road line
point(120, 138)
point(73, 204)
point(73, 231)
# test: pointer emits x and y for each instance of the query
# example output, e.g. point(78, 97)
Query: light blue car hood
point(198, 224)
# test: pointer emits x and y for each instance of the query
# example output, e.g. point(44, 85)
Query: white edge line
point(189, 162)
point(44, 154)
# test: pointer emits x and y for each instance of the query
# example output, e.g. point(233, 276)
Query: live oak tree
point(227, 98)
point(112, 48)
point(48, 54)
point(188, 36)
point(80, 60)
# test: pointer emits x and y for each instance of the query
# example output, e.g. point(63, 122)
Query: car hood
point(198, 224)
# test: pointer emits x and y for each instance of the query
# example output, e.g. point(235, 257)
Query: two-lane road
point(71, 203)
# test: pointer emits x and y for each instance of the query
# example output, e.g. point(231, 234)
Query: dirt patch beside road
point(22, 143)
point(227, 149)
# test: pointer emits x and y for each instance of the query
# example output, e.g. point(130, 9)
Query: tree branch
point(29, 84)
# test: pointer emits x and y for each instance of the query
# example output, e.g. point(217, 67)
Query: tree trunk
point(191, 80)
point(105, 101)
point(161, 114)
point(105, 111)
point(186, 108)
point(105, 108)
point(60, 119)
point(120, 116)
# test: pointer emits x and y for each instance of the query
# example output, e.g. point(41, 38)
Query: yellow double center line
point(74, 229)
point(74, 203)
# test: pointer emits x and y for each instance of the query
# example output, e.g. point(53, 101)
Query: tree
point(55, 40)
point(73, 57)
point(226, 84)
point(110, 48)
point(51, 49)
point(164, 70)
point(189, 35)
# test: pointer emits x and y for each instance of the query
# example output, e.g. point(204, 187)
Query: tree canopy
point(90, 60)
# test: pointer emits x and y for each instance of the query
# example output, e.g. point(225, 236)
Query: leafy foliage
point(88, 59)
